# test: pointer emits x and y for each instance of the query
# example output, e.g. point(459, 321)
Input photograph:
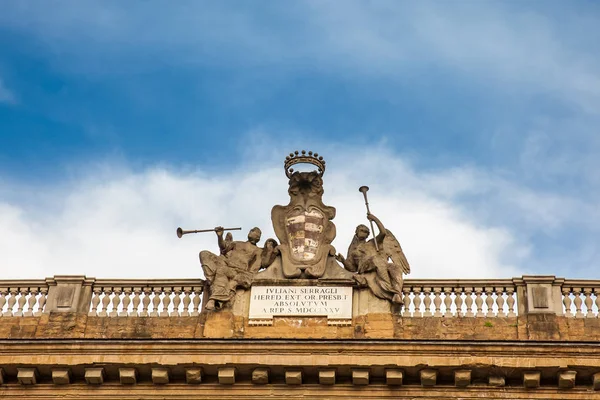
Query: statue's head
point(254, 235)
point(362, 232)
point(271, 243)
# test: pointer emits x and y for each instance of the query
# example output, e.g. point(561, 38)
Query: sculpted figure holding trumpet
point(305, 230)
point(371, 261)
point(236, 264)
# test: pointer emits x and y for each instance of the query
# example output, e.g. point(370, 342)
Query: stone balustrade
point(146, 298)
point(22, 298)
point(184, 297)
point(459, 298)
point(580, 298)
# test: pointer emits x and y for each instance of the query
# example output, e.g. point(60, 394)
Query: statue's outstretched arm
point(380, 227)
point(347, 263)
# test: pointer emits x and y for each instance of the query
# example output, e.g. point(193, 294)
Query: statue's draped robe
point(232, 269)
point(383, 278)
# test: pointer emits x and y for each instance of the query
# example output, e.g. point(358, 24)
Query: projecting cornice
point(178, 367)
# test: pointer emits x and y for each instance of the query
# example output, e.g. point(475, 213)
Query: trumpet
point(181, 232)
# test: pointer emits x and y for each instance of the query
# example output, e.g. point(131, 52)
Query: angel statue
point(370, 261)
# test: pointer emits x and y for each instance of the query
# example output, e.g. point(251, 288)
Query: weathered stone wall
point(72, 350)
point(546, 327)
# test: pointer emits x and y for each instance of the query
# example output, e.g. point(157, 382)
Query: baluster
point(11, 302)
point(41, 302)
point(489, 301)
point(406, 301)
point(105, 301)
point(156, 301)
point(437, 301)
point(136, 301)
point(116, 301)
point(459, 301)
point(418, 301)
point(126, 302)
point(31, 302)
point(500, 301)
point(21, 302)
point(186, 301)
point(597, 302)
point(3, 293)
point(510, 301)
point(146, 302)
point(196, 300)
point(578, 302)
point(479, 302)
point(588, 302)
point(176, 301)
point(469, 301)
point(448, 302)
point(95, 301)
point(427, 302)
point(566, 291)
point(166, 302)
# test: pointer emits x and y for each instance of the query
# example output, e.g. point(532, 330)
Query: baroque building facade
point(297, 319)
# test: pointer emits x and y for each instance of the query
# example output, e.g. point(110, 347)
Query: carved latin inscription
point(330, 301)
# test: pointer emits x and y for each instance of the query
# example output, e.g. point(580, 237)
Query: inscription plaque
point(333, 302)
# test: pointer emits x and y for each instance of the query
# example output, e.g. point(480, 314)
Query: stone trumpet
point(364, 190)
point(181, 232)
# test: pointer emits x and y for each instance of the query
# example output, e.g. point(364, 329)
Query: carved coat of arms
point(304, 227)
point(305, 230)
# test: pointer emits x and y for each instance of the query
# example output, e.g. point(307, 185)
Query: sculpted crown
point(303, 158)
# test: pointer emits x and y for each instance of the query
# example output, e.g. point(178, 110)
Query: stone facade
point(91, 343)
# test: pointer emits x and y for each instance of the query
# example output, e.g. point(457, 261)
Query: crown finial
point(303, 158)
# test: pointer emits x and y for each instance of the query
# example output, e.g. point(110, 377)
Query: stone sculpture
point(304, 226)
point(235, 266)
point(370, 260)
point(305, 230)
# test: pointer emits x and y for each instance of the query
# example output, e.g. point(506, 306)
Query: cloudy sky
point(474, 123)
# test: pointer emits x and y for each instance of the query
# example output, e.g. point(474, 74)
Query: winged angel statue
point(370, 260)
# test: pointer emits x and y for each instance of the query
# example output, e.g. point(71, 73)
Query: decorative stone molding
point(394, 377)
point(194, 375)
point(531, 379)
point(226, 376)
point(566, 379)
point(496, 381)
point(293, 377)
point(360, 377)
point(27, 376)
point(160, 376)
point(61, 376)
point(327, 377)
point(94, 376)
point(462, 377)
point(596, 381)
point(428, 377)
point(260, 376)
point(128, 376)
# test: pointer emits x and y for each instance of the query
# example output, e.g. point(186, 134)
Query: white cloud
point(6, 96)
point(114, 222)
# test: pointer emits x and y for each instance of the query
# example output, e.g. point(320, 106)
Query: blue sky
point(474, 120)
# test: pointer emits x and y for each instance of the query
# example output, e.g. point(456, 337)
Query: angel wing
point(392, 248)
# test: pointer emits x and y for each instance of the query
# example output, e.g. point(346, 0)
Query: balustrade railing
point(146, 298)
point(22, 298)
point(184, 297)
point(581, 298)
point(459, 298)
